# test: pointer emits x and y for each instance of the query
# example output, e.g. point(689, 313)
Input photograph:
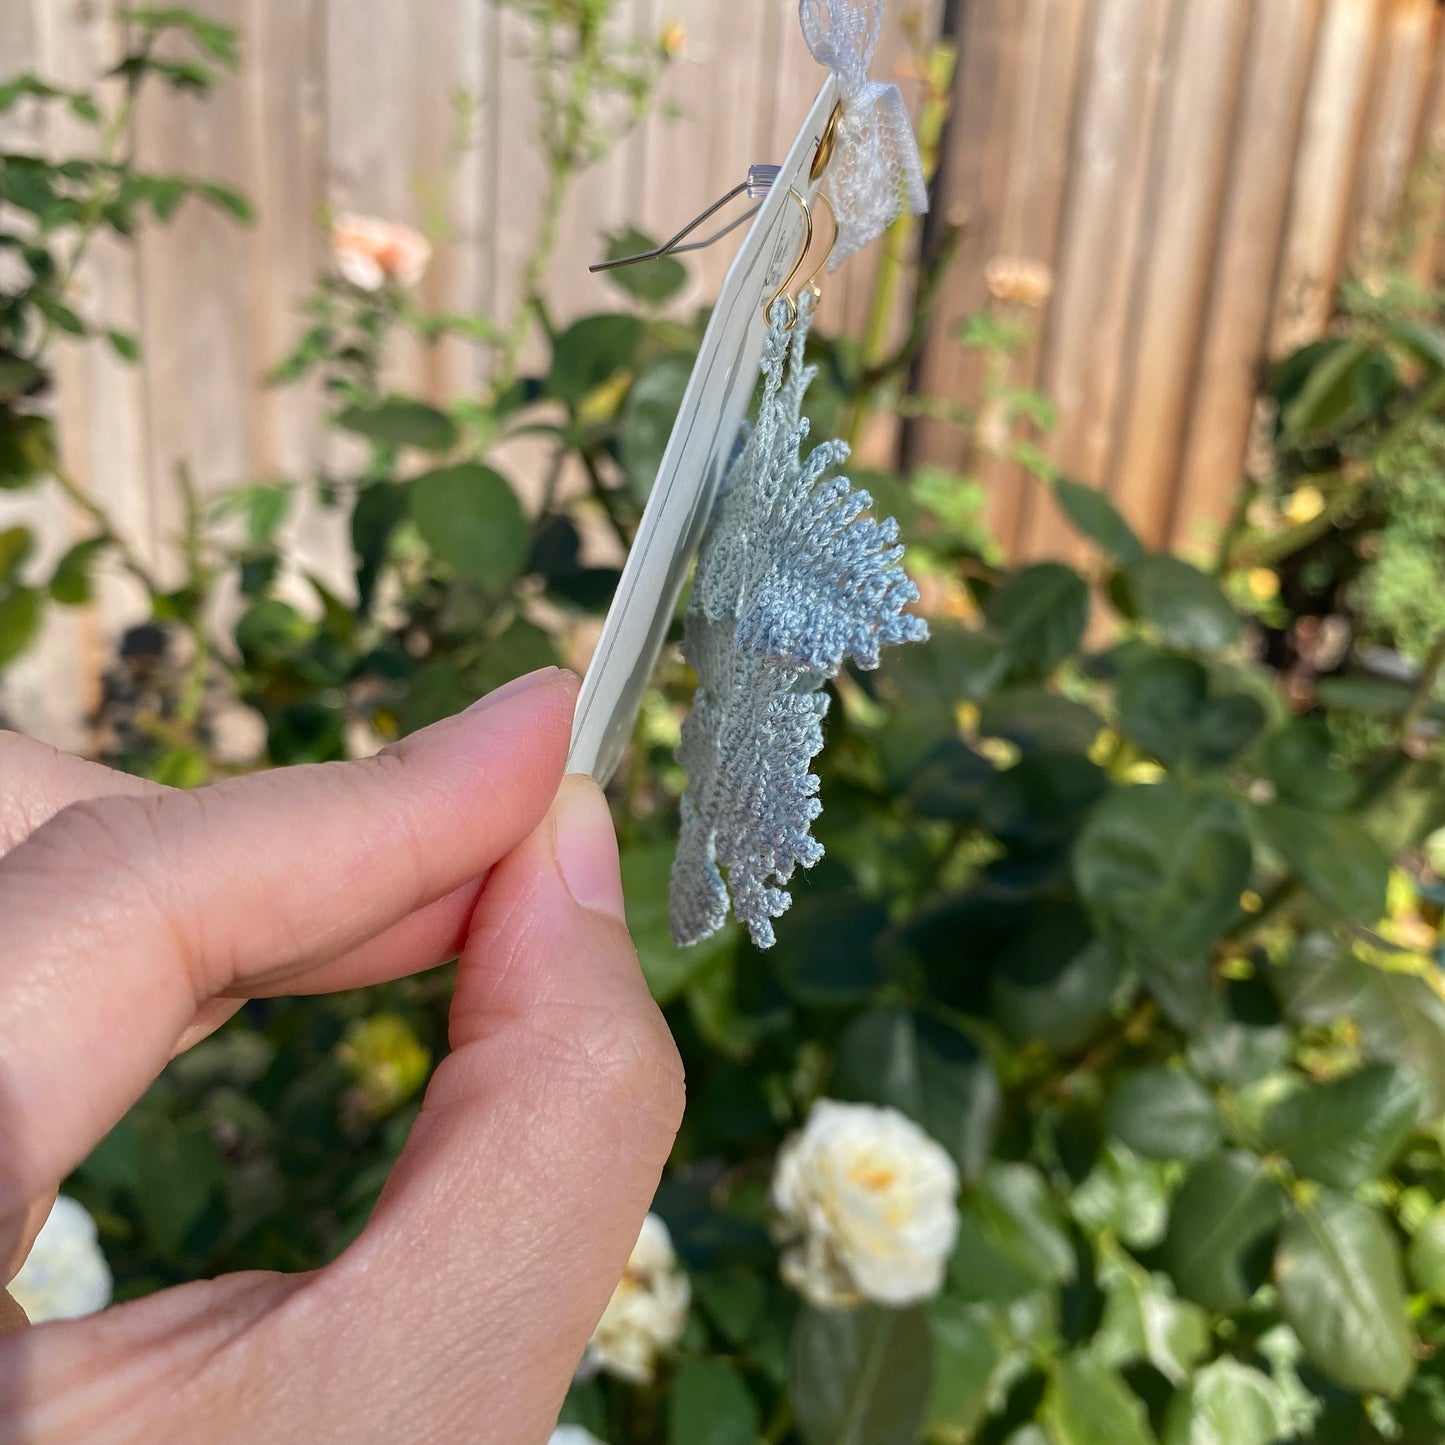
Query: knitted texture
point(792, 582)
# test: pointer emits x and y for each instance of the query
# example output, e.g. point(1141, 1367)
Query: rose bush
point(1094, 1090)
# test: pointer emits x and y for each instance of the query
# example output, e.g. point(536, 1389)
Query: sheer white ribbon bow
point(876, 172)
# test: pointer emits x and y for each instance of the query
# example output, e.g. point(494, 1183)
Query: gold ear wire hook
point(811, 281)
point(786, 292)
point(783, 292)
point(829, 139)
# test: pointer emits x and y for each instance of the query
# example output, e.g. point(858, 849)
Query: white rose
point(65, 1275)
point(573, 1435)
point(647, 1311)
point(866, 1204)
point(370, 252)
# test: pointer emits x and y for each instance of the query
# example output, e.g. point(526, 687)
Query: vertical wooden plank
point(284, 83)
point(1430, 154)
point(1388, 150)
point(103, 442)
point(599, 203)
point(515, 169)
point(1280, 46)
point(393, 74)
point(1171, 280)
point(1029, 231)
point(202, 358)
point(1103, 234)
point(971, 191)
point(1319, 199)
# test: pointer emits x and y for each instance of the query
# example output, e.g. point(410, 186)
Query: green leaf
point(17, 376)
point(1144, 1320)
point(1227, 1403)
point(1301, 762)
point(20, 615)
point(215, 38)
point(1040, 612)
point(1398, 1015)
point(226, 199)
point(1348, 382)
point(1013, 1216)
point(590, 353)
point(124, 344)
point(1221, 1229)
point(1338, 860)
point(471, 519)
point(654, 282)
point(860, 1377)
point(265, 508)
point(734, 1301)
point(1186, 608)
point(1042, 800)
point(398, 421)
point(710, 1404)
point(936, 1075)
point(181, 767)
point(270, 628)
point(60, 314)
point(647, 417)
point(1093, 514)
point(70, 583)
point(27, 449)
point(828, 949)
point(1165, 706)
point(1038, 720)
point(17, 544)
point(378, 512)
point(1425, 1257)
point(1088, 1403)
point(670, 970)
point(1348, 1131)
point(1054, 980)
point(966, 1358)
point(1164, 868)
point(1125, 1196)
point(1165, 1114)
point(179, 1172)
point(1338, 1272)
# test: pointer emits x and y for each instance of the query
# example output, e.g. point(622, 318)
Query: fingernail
point(511, 689)
point(586, 846)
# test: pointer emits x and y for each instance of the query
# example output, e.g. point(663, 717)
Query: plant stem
point(193, 691)
point(1424, 690)
point(901, 242)
point(603, 494)
point(780, 1424)
point(125, 554)
point(563, 133)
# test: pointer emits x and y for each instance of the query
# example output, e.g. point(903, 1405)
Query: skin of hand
point(134, 919)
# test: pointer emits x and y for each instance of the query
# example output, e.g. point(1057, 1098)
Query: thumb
point(539, 1145)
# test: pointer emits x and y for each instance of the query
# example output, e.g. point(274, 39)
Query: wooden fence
point(1193, 173)
point(1196, 175)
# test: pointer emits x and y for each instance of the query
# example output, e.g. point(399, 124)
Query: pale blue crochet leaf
point(793, 581)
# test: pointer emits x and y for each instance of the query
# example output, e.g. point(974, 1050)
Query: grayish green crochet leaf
point(793, 580)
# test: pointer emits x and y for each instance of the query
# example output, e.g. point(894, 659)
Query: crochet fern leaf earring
point(793, 581)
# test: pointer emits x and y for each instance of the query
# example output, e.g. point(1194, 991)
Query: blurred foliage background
point(1133, 884)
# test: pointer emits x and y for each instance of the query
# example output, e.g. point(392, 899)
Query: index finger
point(37, 781)
point(120, 916)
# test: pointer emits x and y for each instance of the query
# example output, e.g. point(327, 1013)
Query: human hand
point(134, 919)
